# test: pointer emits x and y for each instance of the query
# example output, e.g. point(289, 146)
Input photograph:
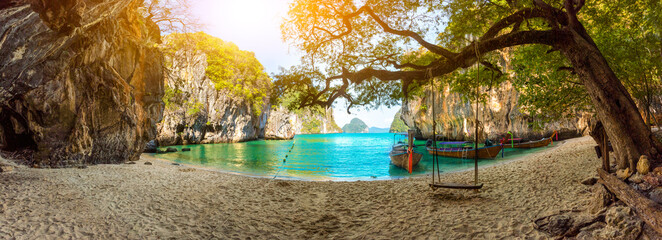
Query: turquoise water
point(343, 156)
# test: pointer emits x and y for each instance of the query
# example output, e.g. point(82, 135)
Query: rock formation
point(356, 126)
point(197, 112)
point(284, 124)
point(82, 80)
point(455, 117)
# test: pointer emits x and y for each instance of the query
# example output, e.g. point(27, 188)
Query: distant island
point(378, 130)
point(356, 126)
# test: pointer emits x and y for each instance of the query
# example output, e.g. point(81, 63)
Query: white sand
point(167, 201)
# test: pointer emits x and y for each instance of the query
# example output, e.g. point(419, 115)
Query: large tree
point(365, 52)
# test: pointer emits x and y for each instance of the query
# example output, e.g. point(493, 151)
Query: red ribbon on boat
point(409, 150)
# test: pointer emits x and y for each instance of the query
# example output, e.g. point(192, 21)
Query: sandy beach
point(159, 201)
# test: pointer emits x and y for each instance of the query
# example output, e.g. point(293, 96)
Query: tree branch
point(429, 46)
point(515, 18)
point(449, 61)
point(464, 59)
point(492, 67)
point(406, 33)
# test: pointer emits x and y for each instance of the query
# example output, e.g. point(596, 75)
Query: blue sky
point(254, 25)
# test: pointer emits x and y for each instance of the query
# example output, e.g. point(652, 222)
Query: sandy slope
point(167, 201)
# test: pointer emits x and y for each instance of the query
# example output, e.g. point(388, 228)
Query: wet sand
point(167, 201)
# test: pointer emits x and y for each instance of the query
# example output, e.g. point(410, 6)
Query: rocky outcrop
point(356, 126)
point(284, 124)
point(620, 223)
point(456, 120)
point(314, 122)
point(196, 112)
point(81, 80)
point(281, 125)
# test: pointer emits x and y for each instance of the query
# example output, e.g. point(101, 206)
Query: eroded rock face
point(199, 113)
point(202, 114)
point(284, 124)
point(281, 125)
point(81, 81)
point(455, 117)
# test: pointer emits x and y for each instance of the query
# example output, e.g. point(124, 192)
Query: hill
point(356, 126)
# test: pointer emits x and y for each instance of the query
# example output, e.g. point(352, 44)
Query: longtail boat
point(517, 142)
point(532, 144)
point(402, 151)
point(401, 158)
point(466, 152)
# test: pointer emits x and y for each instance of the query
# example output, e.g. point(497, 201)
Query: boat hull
point(532, 144)
point(483, 153)
point(401, 159)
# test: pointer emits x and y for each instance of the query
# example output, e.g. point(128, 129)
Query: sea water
point(342, 156)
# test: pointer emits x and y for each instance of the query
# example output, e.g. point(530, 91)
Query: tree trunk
point(646, 209)
point(629, 135)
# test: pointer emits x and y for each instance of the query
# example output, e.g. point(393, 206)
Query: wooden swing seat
point(455, 186)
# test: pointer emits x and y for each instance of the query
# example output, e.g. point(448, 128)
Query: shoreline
point(152, 157)
point(134, 201)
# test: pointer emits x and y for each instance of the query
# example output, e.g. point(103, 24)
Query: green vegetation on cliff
point(312, 126)
point(309, 116)
point(398, 125)
point(355, 126)
point(230, 68)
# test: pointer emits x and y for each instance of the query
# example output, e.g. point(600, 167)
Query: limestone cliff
point(455, 117)
point(284, 124)
point(196, 112)
point(81, 80)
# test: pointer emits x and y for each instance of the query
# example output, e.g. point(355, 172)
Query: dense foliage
point(355, 126)
point(628, 34)
point(398, 125)
point(230, 68)
point(368, 51)
point(309, 115)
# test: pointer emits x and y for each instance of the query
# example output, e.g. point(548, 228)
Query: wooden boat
point(532, 144)
point(401, 158)
point(399, 154)
point(467, 152)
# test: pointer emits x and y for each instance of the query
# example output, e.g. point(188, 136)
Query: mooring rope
point(284, 160)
